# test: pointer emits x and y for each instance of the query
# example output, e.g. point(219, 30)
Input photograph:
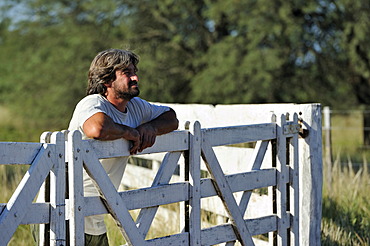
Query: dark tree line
point(207, 51)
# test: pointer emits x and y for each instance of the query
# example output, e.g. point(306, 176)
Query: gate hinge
point(291, 128)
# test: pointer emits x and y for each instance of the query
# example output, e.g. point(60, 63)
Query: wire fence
point(346, 136)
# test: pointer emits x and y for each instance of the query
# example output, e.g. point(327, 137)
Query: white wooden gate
point(278, 138)
point(44, 159)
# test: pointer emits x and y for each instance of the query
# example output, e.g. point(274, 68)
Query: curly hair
point(103, 67)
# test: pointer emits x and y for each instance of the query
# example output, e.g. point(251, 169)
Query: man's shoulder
point(92, 99)
point(138, 102)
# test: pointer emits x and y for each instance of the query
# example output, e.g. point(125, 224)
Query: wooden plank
point(132, 180)
point(195, 187)
point(75, 160)
point(282, 178)
point(164, 194)
point(114, 203)
point(173, 141)
point(22, 198)
point(40, 213)
point(239, 134)
point(166, 170)
point(12, 153)
point(156, 196)
point(225, 193)
point(256, 160)
point(258, 155)
point(181, 239)
point(232, 159)
point(294, 186)
point(44, 196)
point(57, 192)
point(242, 181)
point(310, 161)
point(224, 233)
point(259, 205)
point(256, 163)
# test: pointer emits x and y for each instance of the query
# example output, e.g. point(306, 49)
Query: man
point(112, 110)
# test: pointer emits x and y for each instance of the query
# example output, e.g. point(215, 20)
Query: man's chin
point(134, 94)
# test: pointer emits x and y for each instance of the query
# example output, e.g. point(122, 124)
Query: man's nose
point(134, 78)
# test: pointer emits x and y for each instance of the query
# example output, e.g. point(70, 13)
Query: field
point(346, 204)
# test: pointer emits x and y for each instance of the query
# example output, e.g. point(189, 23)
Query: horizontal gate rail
point(13, 153)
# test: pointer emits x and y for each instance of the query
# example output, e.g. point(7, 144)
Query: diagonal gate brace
point(113, 201)
point(224, 191)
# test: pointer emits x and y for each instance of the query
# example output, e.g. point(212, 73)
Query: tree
point(353, 21)
point(272, 51)
point(208, 51)
point(45, 61)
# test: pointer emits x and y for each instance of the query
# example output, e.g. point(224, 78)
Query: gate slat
point(194, 211)
point(225, 193)
point(154, 196)
point(40, 213)
point(222, 233)
point(242, 181)
point(239, 134)
point(57, 192)
point(76, 192)
point(173, 141)
point(282, 180)
point(21, 200)
point(163, 176)
point(111, 198)
point(181, 239)
point(255, 164)
point(294, 186)
point(12, 153)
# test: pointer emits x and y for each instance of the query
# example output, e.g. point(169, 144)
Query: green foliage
point(191, 51)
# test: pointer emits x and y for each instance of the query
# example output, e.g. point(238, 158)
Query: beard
point(127, 94)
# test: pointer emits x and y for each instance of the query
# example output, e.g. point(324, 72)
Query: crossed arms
point(101, 127)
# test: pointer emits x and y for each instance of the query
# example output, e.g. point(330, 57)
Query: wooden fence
point(289, 201)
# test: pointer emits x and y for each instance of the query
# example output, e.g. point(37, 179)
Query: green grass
point(10, 176)
point(346, 204)
point(346, 207)
point(347, 136)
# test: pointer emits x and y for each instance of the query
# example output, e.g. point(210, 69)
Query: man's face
point(125, 86)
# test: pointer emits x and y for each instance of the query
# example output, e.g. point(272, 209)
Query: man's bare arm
point(102, 127)
point(165, 123)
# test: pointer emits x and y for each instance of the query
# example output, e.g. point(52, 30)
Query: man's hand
point(148, 135)
point(133, 136)
point(101, 127)
point(163, 124)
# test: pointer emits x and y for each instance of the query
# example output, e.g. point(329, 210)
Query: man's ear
point(109, 84)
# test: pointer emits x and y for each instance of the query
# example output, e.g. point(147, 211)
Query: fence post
point(184, 175)
point(281, 186)
point(272, 189)
point(57, 192)
point(328, 152)
point(310, 172)
point(194, 180)
point(294, 186)
point(44, 196)
point(76, 193)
